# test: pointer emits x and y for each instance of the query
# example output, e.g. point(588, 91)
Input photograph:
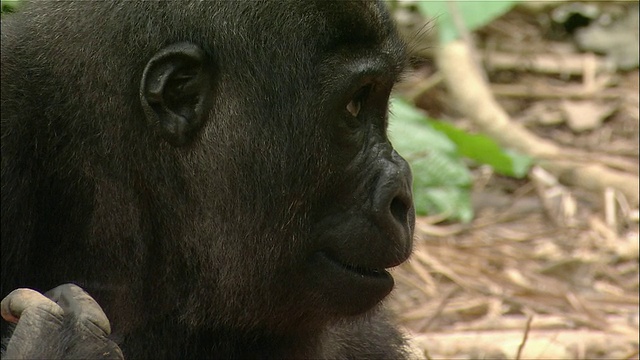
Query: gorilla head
point(318, 203)
point(218, 165)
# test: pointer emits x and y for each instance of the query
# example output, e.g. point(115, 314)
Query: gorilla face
point(326, 204)
point(366, 222)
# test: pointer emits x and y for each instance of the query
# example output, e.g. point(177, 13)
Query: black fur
point(239, 212)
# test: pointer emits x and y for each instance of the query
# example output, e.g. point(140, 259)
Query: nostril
point(399, 210)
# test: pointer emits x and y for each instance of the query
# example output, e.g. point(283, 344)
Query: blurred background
point(520, 120)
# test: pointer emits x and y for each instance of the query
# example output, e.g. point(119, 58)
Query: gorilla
point(216, 174)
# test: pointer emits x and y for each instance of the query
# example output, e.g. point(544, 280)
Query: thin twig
point(527, 328)
point(443, 303)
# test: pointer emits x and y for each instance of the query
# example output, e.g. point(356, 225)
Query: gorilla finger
point(37, 317)
point(21, 302)
point(75, 301)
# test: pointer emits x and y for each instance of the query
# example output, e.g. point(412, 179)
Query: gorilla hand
point(65, 318)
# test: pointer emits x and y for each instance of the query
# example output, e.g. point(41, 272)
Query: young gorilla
point(216, 174)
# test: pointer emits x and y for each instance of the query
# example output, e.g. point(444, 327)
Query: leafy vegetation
point(441, 180)
point(8, 6)
point(435, 150)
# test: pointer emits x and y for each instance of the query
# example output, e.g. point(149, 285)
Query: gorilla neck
point(220, 343)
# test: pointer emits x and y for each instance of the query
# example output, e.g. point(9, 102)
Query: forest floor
point(548, 269)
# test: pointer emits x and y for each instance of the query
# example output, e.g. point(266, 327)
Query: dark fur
point(199, 250)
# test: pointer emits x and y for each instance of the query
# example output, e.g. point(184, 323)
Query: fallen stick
point(465, 81)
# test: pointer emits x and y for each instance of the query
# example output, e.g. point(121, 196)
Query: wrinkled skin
point(216, 174)
point(51, 327)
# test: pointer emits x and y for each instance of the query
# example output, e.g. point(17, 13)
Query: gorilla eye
point(354, 106)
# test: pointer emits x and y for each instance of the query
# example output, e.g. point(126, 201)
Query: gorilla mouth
point(350, 289)
point(368, 272)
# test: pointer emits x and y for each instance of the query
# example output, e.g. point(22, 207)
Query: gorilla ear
point(176, 91)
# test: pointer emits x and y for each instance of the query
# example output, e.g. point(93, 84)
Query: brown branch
point(527, 328)
point(465, 81)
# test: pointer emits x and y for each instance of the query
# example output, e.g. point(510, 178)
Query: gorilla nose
point(400, 207)
point(394, 208)
point(393, 205)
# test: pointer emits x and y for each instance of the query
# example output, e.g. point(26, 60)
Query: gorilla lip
point(368, 272)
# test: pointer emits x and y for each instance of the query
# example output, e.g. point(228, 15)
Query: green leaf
point(8, 6)
point(441, 180)
point(452, 201)
point(485, 150)
point(433, 148)
point(520, 164)
point(474, 14)
point(437, 168)
point(415, 134)
point(441, 185)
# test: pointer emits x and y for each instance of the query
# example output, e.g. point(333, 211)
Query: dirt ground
point(548, 269)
